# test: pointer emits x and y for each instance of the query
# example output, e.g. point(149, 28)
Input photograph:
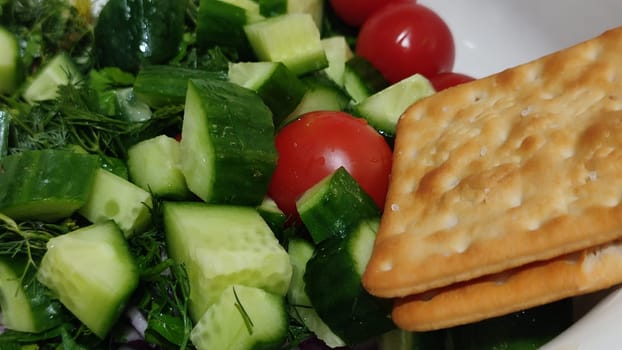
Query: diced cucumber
point(272, 8)
point(5, 121)
point(384, 108)
point(322, 95)
point(115, 198)
point(280, 89)
point(300, 251)
point(154, 165)
point(335, 206)
point(361, 79)
point(338, 52)
point(60, 70)
point(114, 165)
point(227, 146)
point(293, 39)
point(243, 318)
point(274, 216)
point(352, 313)
point(10, 74)
point(92, 272)
point(315, 8)
point(25, 305)
point(223, 245)
point(130, 107)
point(221, 23)
point(46, 184)
point(160, 85)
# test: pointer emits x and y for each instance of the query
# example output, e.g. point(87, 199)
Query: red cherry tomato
point(404, 39)
point(446, 80)
point(318, 143)
point(355, 12)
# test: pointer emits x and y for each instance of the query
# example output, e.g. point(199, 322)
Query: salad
point(210, 174)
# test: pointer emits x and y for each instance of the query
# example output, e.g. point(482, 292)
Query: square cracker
point(521, 166)
point(514, 290)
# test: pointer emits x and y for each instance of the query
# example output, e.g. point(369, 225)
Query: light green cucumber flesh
point(154, 165)
point(25, 305)
point(92, 272)
point(315, 8)
point(243, 318)
point(9, 62)
point(115, 198)
point(383, 109)
point(335, 206)
point(338, 52)
point(227, 147)
point(223, 245)
point(131, 107)
point(46, 184)
point(300, 251)
point(293, 39)
point(60, 70)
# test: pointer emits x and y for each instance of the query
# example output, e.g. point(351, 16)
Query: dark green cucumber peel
point(46, 184)
point(222, 24)
point(5, 120)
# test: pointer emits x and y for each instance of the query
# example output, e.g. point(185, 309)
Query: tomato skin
point(404, 39)
point(446, 80)
point(318, 143)
point(355, 12)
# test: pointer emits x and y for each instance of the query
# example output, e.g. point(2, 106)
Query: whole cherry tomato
point(403, 39)
point(317, 144)
point(446, 80)
point(355, 12)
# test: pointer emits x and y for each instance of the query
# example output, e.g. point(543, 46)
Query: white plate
point(492, 35)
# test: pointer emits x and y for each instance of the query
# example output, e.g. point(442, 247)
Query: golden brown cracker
point(517, 167)
point(521, 288)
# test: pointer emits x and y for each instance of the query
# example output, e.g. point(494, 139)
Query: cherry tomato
point(445, 80)
point(403, 39)
point(355, 12)
point(317, 144)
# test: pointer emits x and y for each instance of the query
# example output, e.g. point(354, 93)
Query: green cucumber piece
point(280, 89)
point(130, 33)
point(227, 146)
point(130, 107)
point(352, 313)
point(24, 301)
point(223, 245)
point(338, 52)
point(293, 39)
point(272, 8)
point(160, 85)
point(322, 95)
point(5, 121)
point(115, 198)
point(243, 318)
point(60, 70)
point(315, 8)
point(361, 79)
point(10, 72)
point(46, 185)
point(92, 272)
point(114, 165)
point(154, 166)
point(383, 109)
point(274, 217)
point(335, 206)
point(300, 252)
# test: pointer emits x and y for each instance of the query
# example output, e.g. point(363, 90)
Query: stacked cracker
point(506, 192)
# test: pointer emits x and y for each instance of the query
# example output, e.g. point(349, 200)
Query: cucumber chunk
point(338, 52)
point(243, 318)
point(335, 206)
point(60, 70)
point(293, 39)
point(300, 251)
point(25, 305)
point(280, 89)
point(223, 245)
point(274, 217)
point(361, 79)
point(315, 8)
point(5, 120)
point(115, 198)
point(227, 146)
point(10, 75)
point(46, 184)
point(154, 165)
point(384, 108)
point(92, 272)
point(352, 313)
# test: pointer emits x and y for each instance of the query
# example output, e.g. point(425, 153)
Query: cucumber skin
point(5, 121)
point(350, 311)
point(46, 184)
point(244, 156)
point(222, 24)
